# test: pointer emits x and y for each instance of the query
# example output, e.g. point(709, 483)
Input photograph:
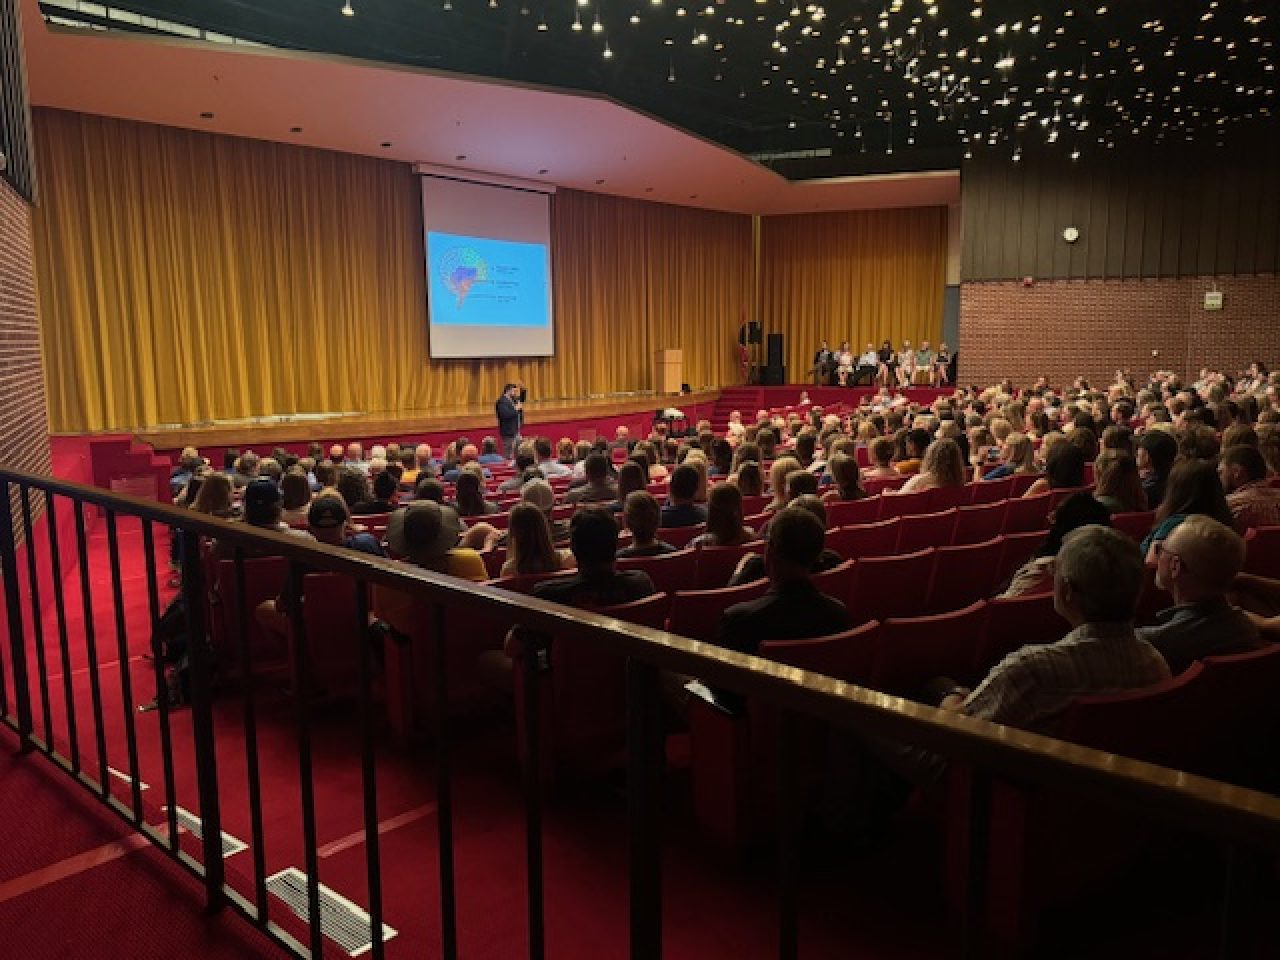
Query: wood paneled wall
point(1176, 212)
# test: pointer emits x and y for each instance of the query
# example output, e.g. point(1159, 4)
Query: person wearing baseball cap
point(327, 522)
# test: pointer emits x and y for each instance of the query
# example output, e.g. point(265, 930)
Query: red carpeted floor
point(138, 904)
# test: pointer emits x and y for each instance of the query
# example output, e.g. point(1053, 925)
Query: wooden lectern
point(668, 371)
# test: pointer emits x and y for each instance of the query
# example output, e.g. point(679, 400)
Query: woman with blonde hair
point(1119, 485)
point(943, 466)
point(778, 481)
point(1017, 456)
point(529, 545)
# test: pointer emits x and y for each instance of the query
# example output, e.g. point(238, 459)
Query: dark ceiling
point(821, 89)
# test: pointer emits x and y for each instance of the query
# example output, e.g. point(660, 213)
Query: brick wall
point(24, 422)
point(1069, 328)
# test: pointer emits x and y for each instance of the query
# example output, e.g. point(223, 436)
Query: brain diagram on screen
point(461, 268)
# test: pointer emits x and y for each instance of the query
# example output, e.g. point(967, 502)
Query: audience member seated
point(188, 464)
point(1118, 483)
point(529, 545)
point(942, 466)
point(489, 454)
point(778, 473)
point(1252, 501)
point(641, 515)
point(1016, 455)
point(752, 566)
point(1156, 452)
point(468, 495)
point(881, 451)
point(721, 458)
point(681, 510)
point(916, 441)
point(547, 464)
point(792, 608)
point(725, 527)
point(296, 493)
point(1063, 470)
point(1097, 582)
point(526, 460)
point(749, 479)
point(598, 488)
point(631, 477)
point(593, 537)
point(385, 493)
point(846, 479)
point(426, 534)
point(1036, 575)
point(646, 455)
point(1193, 488)
point(1197, 564)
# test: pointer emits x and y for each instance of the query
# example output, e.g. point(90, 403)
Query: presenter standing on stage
point(510, 410)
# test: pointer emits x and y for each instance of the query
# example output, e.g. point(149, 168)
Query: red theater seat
point(865, 539)
point(844, 513)
point(716, 564)
point(990, 491)
point(963, 574)
point(836, 581)
point(918, 531)
point(1134, 525)
point(1012, 624)
point(902, 504)
point(978, 523)
point(886, 587)
point(669, 571)
point(912, 651)
point(696, 613)
point(1026, 513)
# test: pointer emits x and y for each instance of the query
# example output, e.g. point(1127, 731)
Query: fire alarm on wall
point(1213, 300)
point(1028, 281)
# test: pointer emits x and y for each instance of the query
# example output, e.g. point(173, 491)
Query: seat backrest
point(901, 504)
point(753, 505)
point(1262, 553)
point(978, 523)
point(333, 636)
point(1014, 623)
point(1018, 549)
point(1242, 714)
point(1026, 513)
point(525, 582)
point(847, 656)
point(1061, 493)
point(648, 611)
point(668, 571)
point(679, 537)
point(886, 587)
point(963, 574)
point(990, 491)
point(1134, 525)
point(264, 579)
point(835, 582)
point(1160, 724)
point(696, 613)
point(493, 561)
point(716, 564)
point(914, 650)
point(917, 531)
point(865, 539)
point(877, 485)
point(844, 513)
point(1021, 483)
point(944, 498)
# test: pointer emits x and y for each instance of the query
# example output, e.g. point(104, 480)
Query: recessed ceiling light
point(206, 115)
point(386, 143)
point(461, 156)
point(295, 129)
point(542, 171)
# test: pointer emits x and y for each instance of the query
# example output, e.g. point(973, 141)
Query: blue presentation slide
point(481, 282)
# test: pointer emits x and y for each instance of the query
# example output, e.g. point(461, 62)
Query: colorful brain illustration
point(461, 268)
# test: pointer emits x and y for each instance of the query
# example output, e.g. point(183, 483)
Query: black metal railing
point(1245, 820)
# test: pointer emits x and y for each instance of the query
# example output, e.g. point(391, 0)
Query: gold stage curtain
point(187, 277)
point(859, 276)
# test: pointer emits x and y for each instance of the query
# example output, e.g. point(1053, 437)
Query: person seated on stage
point(1252, 501)
point(942, 466)
point(598, 487)
point(881, 468)
point(925, 360)
point(385, 494)
point(530, 548)
point(681, 510)
point(547, 463)
point(1036, 575)
point(725, 527)
point(489, 452)
point(1197, 564)
point(886, 363)
point(844, 364)
point(642, 514)
point(824, 361)
point(906, 371)
point(914, 444)
point(865, 367)
point(940, 372)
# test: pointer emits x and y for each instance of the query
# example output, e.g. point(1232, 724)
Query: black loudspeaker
point(749, 332)
point(775, 374)
point(775, 350)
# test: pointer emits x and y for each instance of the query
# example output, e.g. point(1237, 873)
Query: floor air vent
point(191, 823)
point(340, 920)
